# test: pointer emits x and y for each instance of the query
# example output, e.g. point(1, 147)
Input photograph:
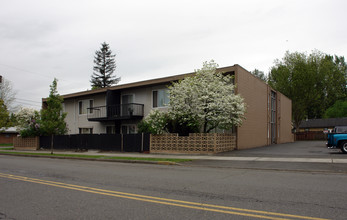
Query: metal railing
point(123, 111)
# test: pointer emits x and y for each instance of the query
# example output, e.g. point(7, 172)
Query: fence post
point(142, 142)
point(121, 142)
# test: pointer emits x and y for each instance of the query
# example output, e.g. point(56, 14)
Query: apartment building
point(118, 109)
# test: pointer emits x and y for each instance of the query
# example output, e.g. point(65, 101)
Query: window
point(127, 99)
point(84, 105)
point(161, 98)
point(127, 107)
point(129, 129)
point(110, 129)
point(86, 130)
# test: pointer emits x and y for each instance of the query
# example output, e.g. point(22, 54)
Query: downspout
point(268, 115)
point(74, 101)
point(236, 83)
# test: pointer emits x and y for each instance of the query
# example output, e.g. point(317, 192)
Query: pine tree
point(104, 67)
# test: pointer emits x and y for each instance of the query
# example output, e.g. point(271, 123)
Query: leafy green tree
point(313, 82)
point(4, 116)
point(159, 122)
point(335, 78)
point(104, 67)
point(259, 74)
point(207, 98)
point(183, 125)
point(338, 110)
point(52, 116)
point(154, 123)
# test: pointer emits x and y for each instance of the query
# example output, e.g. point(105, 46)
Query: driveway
point(302, 156)
point(298, 149)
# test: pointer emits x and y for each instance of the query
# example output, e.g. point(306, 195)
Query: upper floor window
point(127, 99)
point(161, 98)
point(83, 106)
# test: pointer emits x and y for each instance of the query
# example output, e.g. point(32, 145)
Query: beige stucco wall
point(142, 95)
point(254, 130)
point(75, 121)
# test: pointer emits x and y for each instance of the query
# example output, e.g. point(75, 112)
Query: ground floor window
point(129, 129)
point(86, 130)
point(110, 129)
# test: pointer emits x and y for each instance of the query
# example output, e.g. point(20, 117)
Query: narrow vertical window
point(91, 105)
point(155, 99)
point(80, 107)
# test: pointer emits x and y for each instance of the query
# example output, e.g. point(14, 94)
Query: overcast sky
point(41, 39)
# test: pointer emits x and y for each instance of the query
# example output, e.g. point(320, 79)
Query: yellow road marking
point(164, 201)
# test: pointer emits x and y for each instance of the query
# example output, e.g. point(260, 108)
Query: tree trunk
point(205, 126)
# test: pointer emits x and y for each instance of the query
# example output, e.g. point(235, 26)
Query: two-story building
point(118, 109)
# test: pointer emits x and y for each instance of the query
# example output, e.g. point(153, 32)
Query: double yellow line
point(164, 201)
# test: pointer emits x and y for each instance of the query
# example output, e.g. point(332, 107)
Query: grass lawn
point(98, 157)
point(6, 145)
point(7, 148)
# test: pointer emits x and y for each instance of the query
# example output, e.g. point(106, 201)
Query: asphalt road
point(42, 188)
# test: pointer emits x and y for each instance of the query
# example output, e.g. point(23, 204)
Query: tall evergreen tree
point(104, 67)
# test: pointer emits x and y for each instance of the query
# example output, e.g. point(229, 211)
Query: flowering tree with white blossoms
point(208, 98)
point(154, 123)
point(24, 118)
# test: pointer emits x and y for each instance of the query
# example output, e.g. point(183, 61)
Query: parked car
point(338, 138)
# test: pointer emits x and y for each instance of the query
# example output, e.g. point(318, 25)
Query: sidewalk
point(305, 156)
point(272, 158)
point(298, 152)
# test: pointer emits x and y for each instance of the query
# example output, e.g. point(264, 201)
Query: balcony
point(116, 112)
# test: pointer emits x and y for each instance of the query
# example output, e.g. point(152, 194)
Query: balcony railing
point(114, 112)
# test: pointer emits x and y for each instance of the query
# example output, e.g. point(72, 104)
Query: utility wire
point(39, 74)
point(23, 103)
point(27, 100)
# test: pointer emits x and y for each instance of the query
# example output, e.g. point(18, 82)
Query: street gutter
point(162, 162)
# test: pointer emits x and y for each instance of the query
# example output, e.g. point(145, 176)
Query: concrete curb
point(96, 159)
